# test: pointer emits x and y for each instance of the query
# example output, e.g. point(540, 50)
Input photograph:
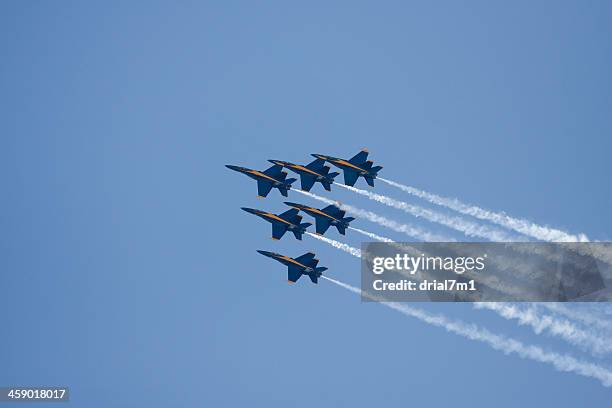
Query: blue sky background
point(128, 271)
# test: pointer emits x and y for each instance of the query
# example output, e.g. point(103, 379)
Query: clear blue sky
point(128, 271)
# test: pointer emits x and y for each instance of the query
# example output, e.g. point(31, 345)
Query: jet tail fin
point(285, 187)
point(348, 219)
point(369, 180)
point(314, 276)
point(373, 170)
point(328, 180)
point(341, 229)
point(298, 234)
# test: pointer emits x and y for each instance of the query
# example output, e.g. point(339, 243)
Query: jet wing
point(322, 224)
point(359, 158)
point(275, 171)
point(333, 211)
point(307, 181)
point(316, 165)
point(294, 273)
point(290, 215)
point(263, 187)
point(305, 259)
point(350, 177)
point(278, 230)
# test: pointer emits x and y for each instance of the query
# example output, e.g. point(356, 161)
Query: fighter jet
point(272, 177)
point(302, 265)
point(330, 215)
point(355, 167)
point(281, 223)
point(313, 172)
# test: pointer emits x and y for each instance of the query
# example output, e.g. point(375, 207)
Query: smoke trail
point(506, 345)
point(517, 224)
point(468, 228)
point(346, 248)
point(411, 231)
point(372, 235)
point(561, 328)
point(523, 226)
point(584, 317)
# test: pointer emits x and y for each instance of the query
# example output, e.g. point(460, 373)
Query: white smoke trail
point(411, 231)
point(523, 226)
point(468, 228)
point(586, 318)
point(561, 328)
point(372, 235)
point(346, 248)
point(504, 344)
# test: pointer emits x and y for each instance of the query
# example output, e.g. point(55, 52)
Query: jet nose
point(249, 210)
point(231, 167)
point(317, 156)
point(290, 204)
point(277, 162)
point(266, 253)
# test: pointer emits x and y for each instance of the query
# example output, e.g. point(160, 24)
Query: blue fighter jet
point(357, 166)
point(315, 171)
point(302, 265)
point(330, 215)
point(266, 180)
point(281, 223)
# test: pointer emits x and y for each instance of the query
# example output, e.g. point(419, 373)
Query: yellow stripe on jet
point(345, 163)
point(286, 258)
point(277, 218)
point(306, 169)
point(260, 174)
point(315, 210)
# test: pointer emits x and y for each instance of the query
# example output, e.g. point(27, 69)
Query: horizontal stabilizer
point(341, 229)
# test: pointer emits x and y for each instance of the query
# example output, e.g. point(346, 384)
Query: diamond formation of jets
point(302, 265)
point(281, 223)
point(325, 217)
point(313, 172)
point(355, 167)
point(274, 177)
